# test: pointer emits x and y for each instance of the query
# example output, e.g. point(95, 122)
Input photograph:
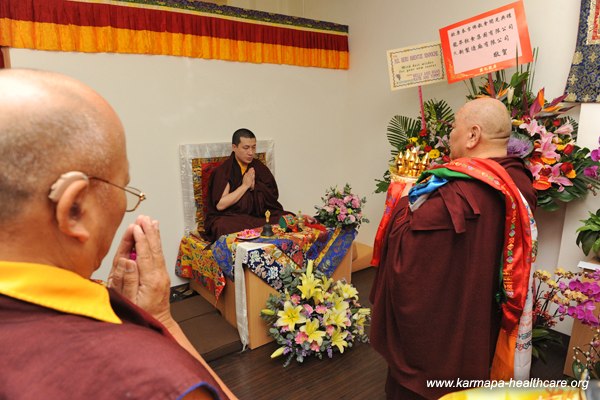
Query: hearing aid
point(58, 188)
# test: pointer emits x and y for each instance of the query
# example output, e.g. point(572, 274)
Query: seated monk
point(241, 190)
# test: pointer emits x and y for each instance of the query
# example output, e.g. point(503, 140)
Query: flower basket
point(545, 139)
point(314, 316)
point(341, 208)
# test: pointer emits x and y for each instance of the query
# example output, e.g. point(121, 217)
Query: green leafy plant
point(405, 133)
point(588, 236)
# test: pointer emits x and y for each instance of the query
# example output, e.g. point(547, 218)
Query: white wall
point(329, 126)
point(167, 101)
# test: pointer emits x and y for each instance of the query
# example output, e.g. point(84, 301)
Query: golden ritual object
point(267, 229)
point(409, 165)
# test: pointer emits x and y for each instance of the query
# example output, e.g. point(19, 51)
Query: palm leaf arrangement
point(405, 133)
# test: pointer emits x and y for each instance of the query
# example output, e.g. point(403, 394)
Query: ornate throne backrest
point(197, 162)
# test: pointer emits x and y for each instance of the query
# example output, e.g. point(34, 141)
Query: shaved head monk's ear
point(474, 137)
point(69, 193)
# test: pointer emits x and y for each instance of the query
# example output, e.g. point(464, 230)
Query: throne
point(197, 162)
point(203, 262)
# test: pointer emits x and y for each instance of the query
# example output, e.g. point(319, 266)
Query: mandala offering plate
point(248, 234)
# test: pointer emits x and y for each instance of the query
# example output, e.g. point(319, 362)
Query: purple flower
point(591, 172)
point(595, 154)
point(584, 312)
point(519, 147)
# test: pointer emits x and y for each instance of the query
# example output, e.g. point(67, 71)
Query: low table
point(243, 293)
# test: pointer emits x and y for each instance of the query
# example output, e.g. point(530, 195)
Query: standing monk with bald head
point(447, 301)
point(63, 193)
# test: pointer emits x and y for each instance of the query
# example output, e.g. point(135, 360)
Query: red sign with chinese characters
point(488, 42)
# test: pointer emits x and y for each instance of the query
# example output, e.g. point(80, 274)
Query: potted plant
point(588, 235)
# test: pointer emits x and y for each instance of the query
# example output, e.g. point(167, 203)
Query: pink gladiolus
point(308, 308)
point(321, 309)
point(355, 202)
point(347, 199)
point(330, 329)
point(341, 217)
point(314, 346)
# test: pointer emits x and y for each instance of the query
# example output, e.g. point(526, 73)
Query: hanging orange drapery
point(172, 27)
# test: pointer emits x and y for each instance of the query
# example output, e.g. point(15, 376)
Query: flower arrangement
point(587, 358)
point(571, 294)
point(341, 208)
point(314, 316)
point(562, 170)
point(405, 133)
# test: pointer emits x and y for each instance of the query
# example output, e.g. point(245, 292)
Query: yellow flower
point(346, 291)
point(290, 316)
point(278, 352)
point(339, 304)
point(335, 317)
point(413, 139)
point(311, 328)
point(325, 283)
point(309, 286)
point(572, 174)
point(309, 267)
point(337, 339)
point(434, 153)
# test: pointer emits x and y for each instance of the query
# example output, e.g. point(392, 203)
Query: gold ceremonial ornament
point(267, 215)
point(409, 165)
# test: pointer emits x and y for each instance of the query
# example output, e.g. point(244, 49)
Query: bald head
point(482, 129)
point(50, 124)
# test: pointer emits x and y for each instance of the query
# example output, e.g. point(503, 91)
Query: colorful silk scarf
point(512, 358)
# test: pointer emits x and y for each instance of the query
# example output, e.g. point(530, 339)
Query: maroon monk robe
point(435, 314)
point(249, 211)
point(47, 354)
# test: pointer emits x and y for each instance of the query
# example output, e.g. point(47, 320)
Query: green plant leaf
point(399, 129)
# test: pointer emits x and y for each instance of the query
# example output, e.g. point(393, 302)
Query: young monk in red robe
point(438, 294)
point(241, 190)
